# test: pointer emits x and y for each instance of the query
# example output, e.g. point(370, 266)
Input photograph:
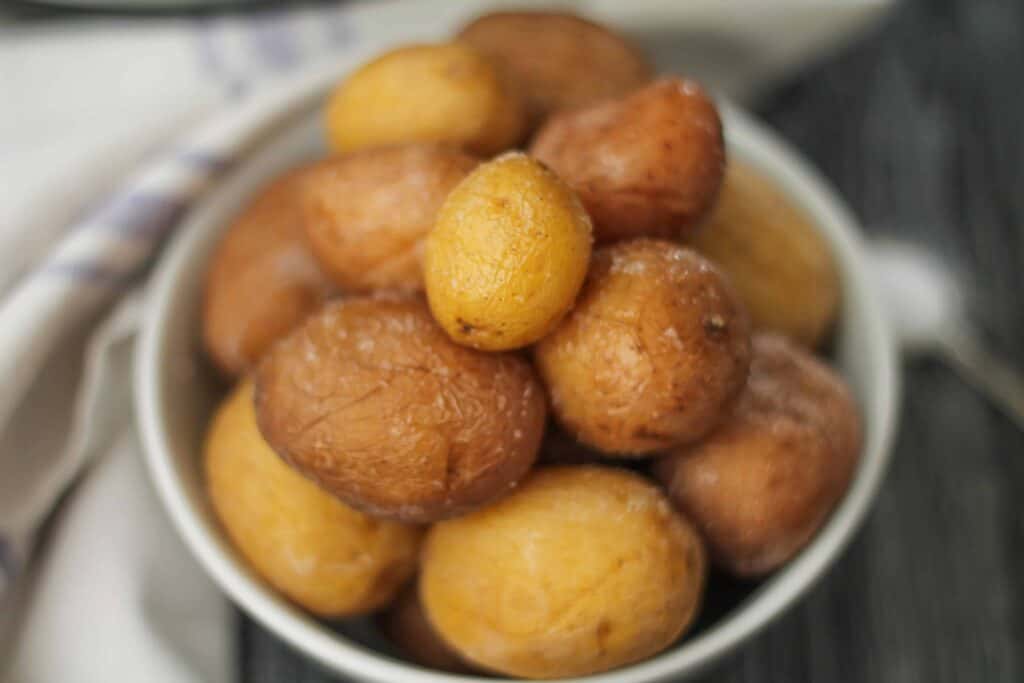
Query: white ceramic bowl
point(175, 395)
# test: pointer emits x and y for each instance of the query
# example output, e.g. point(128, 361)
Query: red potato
point(649, 164)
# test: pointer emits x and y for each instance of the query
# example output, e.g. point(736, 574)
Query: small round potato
point(408, 628)
point(372, 400)
point(763, 483)
point(581, 570)
point(317, 551)
point(262, 280)
point(427, 93)
point(779, 263)
point(366, 213)
point(649, 164)
point(507, 255)
point(560, 60)
point(653, 353)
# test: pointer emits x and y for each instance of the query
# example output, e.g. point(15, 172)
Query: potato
point(653, 353)
point(581, 570)
point(262, 280)
point(649, 164)
point(366, 213)
point(426, 93)
point(763, 483)
point(780, 264)
point(507, 255)
point(370, 399)
point(317, 551)
point(407, 626)
point(559, 60)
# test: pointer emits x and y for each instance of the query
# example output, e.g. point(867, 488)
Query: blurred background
point(914, 115)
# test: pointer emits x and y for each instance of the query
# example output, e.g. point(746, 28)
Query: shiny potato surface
point(649, 164)
point(366, 214)
point(581, 570)
point(560, 60)
point(317, 551)
point(778, 261)
point(426, 93)
point(652, 354)
point(763, 483)
point(507, 254)
point(262, 280)
point(371, 399)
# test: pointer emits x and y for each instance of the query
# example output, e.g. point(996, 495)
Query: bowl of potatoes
point(504, 356)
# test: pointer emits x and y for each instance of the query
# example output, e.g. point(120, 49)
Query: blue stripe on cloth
point(272, 38)
point(140, 213)
point(204, 160)
point(91, 273)
point(211, 62)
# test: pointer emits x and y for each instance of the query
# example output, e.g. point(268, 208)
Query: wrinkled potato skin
point(560, 61)
point(366, 214)
point(370, 399)
point(317, 551)
point(649, 164)
point(581, 570)
point(262, 280)
point(507, 255)
point(427, 93)
point(765, 481)
point(653, 353)
point(779, 263)
point(407, 626)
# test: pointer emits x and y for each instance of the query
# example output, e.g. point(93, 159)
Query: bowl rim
point(761, 146)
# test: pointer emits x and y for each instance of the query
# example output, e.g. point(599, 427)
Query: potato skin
point(426, 93)
point(370, 399)
point(406, 625)
point(262, 280)
point(316, 550)
point(366, 214)
point(649, 164)
point(779, 263)
point(653, 353)
point(581, 570)
point(560, 60)
point(764, 482)
point(507, 255)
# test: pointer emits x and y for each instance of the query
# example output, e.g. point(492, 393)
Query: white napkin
point(113, 595)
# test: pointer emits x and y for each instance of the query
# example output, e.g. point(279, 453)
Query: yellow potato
point(507, 255)
point(317, 551)
point(581, 570)
point(426, 93)
point(779, 263)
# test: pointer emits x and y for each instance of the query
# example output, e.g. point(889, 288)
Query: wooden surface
point(921, 127)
